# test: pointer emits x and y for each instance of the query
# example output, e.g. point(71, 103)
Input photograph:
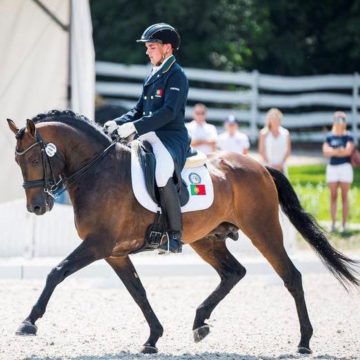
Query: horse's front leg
point(86, 253)
point(127, 273)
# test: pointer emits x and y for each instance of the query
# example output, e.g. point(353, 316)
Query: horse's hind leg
point(127, 273)
point(293, 282)
point(269, 240)
point(215, 252)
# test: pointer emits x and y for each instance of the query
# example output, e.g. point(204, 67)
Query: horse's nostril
point(37, 209)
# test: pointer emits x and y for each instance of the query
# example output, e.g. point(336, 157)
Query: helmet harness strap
point(163, 56)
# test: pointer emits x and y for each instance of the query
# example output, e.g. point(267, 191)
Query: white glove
point(110, 127)
point(126, 130)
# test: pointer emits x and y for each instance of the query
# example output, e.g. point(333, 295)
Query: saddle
point(146, 158)
point(147, 161)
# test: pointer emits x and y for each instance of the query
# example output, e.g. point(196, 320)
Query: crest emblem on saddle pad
point(194, 178)
point(50, 149)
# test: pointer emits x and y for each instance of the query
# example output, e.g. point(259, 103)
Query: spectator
point(232, 139)
point(274, 141)
point(338, 146)
point(203, 135)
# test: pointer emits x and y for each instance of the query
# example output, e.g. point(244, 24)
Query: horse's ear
point(12, 126)
point(30, 127)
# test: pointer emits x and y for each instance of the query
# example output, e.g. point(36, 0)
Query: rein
point(52, 186)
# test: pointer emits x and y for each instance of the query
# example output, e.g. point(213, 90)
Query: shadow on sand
point(205, 355)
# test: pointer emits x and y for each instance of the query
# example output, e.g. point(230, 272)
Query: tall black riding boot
point(170, 206)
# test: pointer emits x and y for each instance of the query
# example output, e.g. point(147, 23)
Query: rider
point(159, 118)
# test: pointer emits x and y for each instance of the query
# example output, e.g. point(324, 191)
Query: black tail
point(340, 265)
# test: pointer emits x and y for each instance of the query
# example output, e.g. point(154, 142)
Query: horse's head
point(33, 155)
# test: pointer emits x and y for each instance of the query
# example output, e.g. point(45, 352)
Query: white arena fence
point(54, 234)
point(27, 235)
point(307, 101)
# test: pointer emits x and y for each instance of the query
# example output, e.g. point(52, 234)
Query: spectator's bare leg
point(345, 203)
point(333, 200)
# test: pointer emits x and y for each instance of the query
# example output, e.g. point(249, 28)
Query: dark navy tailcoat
point(161, 108)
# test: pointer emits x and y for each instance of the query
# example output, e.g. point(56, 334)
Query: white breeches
point(164, 163)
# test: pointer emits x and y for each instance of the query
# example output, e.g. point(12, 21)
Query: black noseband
point(48, 183)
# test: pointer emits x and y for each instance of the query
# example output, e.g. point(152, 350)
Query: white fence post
point(29, 236)
point(354, 107)
point(254, 105)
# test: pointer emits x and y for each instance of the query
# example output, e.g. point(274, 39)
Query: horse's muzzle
point(41, 207)
point(37, 209)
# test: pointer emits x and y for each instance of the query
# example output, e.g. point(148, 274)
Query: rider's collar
point(165, 65)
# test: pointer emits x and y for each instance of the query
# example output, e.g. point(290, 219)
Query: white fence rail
point(307, 101)
point(27, 235)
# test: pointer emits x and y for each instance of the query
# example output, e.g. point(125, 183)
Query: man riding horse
point(60, 148)
point(159, 118)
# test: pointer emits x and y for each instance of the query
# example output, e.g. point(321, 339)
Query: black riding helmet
point(161, 33)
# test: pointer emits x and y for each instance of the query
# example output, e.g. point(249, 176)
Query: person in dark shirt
point(159, 118)
point(338, 146)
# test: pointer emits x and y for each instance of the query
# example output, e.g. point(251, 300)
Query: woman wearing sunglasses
point(338, 146)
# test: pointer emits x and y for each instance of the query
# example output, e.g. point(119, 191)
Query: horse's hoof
point(148, 349)
point(304, 350)
point(26, 328)
point(201, 332)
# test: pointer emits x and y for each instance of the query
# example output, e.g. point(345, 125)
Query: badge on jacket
point(159, 92)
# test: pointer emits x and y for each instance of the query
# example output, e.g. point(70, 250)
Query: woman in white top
point(274, 141)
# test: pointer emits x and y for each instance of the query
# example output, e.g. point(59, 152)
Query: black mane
point(77, 121)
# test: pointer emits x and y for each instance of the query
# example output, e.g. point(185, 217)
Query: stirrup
point(166, 248)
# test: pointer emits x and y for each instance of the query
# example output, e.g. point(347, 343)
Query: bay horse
point(62, 147)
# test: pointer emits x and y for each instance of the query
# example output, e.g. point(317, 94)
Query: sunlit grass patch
point(309, 183)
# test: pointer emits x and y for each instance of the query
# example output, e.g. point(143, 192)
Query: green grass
point(309, 183)
point(349, 240)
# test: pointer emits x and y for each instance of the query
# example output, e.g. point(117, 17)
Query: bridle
point(49, 183)
point(53, 185)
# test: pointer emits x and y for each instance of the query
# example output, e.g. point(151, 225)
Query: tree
point(214, 34)
point(309, 37)
point(278, 37)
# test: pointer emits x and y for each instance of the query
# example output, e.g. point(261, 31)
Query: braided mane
point(77, 121)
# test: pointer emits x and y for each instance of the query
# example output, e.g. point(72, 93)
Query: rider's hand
point(126, 130)
point(110, 127)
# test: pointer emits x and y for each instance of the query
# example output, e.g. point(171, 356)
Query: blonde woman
point(338, 147)
point(275, 141)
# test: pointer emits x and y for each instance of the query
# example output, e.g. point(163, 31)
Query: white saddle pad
point(198, 182)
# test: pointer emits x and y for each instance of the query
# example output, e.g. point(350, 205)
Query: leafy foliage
point(278, 37)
